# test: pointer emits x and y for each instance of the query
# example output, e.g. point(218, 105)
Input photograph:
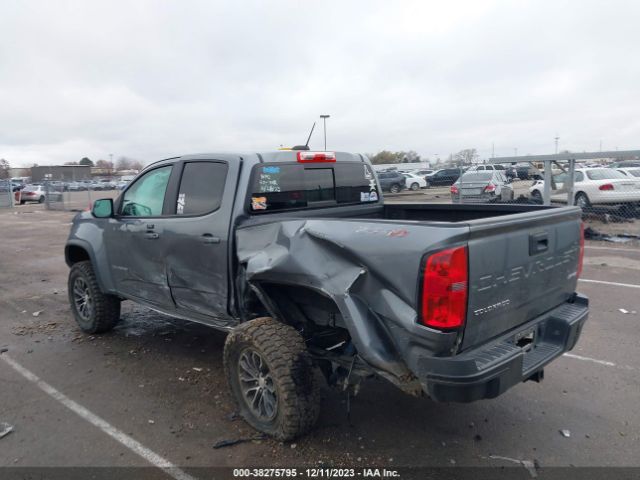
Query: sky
point(155, 79)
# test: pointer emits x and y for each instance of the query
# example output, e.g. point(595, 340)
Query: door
point(135, 239)
point(198, 238)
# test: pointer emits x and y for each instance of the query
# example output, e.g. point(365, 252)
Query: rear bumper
point(493, 368)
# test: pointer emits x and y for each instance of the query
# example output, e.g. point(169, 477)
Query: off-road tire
point(104, 313)
point(291, 369)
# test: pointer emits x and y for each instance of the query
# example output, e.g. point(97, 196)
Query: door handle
point(208, 239)
point(538, 243)
point(151, 236)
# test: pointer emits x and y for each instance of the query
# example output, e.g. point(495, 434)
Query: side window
point(480, 168)
point(146, 196)
point(579, 177)
point(201, 188)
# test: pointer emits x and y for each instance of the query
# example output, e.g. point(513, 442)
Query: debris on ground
point(37, 313)
point(622, 310)
point(565, 433)
point(531, 465)
point(236, 441)
point(5, 429)
point(197, 369)
point(22, 330)
point(151, 422)
point(4, 349)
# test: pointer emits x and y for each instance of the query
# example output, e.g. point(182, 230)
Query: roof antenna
point(306, 145)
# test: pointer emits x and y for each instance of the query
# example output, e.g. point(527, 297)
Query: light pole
point(556, 138)
point(324, 122)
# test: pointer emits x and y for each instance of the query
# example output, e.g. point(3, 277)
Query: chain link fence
point(6, 194)
point(607, 192)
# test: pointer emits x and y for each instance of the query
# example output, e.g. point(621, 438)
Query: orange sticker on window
point(258, 203)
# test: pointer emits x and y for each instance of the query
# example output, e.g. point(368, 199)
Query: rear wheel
point(415, 187)
point(272, 378)
point(536, 196)
point(41, 199)
point(395, 188)
point(94, 311)
point(582, 200)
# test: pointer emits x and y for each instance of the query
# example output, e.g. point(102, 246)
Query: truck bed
point(522, 258)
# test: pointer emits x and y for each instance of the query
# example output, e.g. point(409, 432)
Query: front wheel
point(94, 311)
point(272, 378)
point(415, 187)
point(395, 188)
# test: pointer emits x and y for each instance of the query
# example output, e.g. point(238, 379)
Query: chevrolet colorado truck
point(296, 256)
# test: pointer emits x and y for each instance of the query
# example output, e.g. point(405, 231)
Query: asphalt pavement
point(152, 392)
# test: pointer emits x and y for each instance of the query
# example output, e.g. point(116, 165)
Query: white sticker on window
point(373, 196)
point(180, 206)
point(365, 197)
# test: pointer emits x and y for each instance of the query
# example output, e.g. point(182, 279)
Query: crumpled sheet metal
point(350, 262)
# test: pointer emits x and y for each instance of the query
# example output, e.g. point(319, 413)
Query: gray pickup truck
point(295, 254)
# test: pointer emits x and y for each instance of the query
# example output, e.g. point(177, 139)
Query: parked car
point(122, 184)
point(625, 164)
point(77, 186)
point(107, 184)
point(36, 193)
point(415, 182)
point(424, 172)
point(392, 181)
point(630, 172)
point(593, 186)
point(295, 255)
point(482, 187)
point(444, 177)
point(489, 167)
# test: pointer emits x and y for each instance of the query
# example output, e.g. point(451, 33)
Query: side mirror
point(103, 208)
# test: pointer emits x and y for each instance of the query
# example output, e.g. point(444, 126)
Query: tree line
point(463, 157)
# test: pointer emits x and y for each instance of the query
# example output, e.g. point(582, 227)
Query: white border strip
point(615, 284)
point(118, 435)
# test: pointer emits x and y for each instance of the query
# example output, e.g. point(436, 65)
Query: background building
point(61, 172)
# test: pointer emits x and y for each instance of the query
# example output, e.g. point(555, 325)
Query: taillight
point(444, 289)
point(316, 157)
point(581, 253)
point(454, 189)
point(489, 188)
point(606, 186)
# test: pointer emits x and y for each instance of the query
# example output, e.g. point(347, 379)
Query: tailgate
point(520, 266)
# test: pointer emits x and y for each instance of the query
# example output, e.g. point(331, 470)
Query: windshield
point(287, 186)
point(604, 174)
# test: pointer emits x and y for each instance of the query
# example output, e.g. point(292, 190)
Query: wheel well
point(75, 254)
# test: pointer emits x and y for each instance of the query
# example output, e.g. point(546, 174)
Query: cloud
point(153, 79)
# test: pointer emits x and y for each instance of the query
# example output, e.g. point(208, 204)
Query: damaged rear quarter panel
point(370, 269)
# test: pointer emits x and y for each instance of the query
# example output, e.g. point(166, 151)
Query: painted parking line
point(606, 363)
point(615, 284)
point(118, 435)
point(588, 359)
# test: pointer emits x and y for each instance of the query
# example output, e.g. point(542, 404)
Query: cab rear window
point(290, 186)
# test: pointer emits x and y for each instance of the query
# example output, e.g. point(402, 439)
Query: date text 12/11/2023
point(315, 473)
